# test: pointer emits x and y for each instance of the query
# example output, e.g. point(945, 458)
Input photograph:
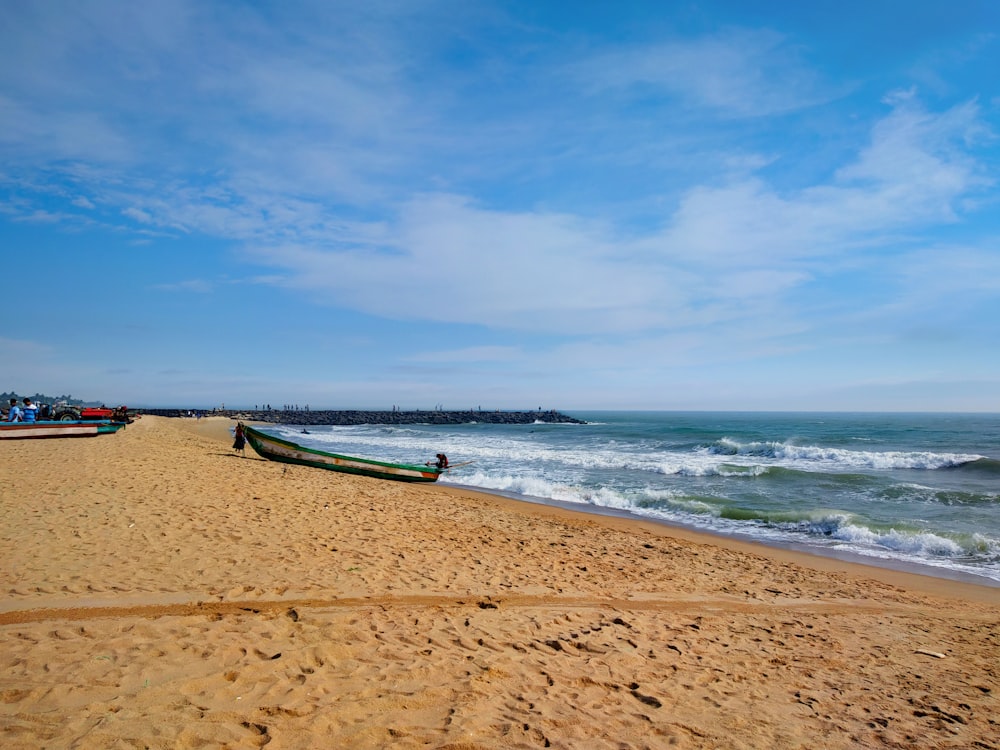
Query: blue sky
point(591, 205)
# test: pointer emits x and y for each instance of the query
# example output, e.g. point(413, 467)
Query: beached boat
point(22, 430)
point(276, 449)
point(55, 429)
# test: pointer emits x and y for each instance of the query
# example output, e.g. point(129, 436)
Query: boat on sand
point(22, 430)
point(58, 429)
point(284, 451)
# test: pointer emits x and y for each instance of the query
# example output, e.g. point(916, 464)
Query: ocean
point(912, 491)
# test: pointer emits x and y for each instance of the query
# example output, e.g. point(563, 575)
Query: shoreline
point(160, 590)
point(884, 569)
point(906, 575)
point(750, 543)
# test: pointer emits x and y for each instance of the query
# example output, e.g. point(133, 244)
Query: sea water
point(901, 490)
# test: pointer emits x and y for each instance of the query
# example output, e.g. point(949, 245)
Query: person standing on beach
point(30, 411)
point(240, 443)
point(14, 415)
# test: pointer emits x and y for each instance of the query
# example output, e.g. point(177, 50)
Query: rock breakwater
point(355, 417)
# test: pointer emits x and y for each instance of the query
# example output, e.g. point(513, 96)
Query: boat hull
point(276, 449)
point(24, 430)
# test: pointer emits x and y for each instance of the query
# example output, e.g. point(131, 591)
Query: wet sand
point(161, 591)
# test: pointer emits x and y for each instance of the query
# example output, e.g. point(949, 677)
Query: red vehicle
point(66, 413)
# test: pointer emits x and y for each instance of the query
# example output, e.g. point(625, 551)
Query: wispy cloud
point(737, 72)
point(725, 253)
point(521, 271)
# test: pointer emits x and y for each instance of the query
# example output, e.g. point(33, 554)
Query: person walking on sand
point(240, 443)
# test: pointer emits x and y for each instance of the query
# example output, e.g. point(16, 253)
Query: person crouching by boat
point(240, 443)
point(440, 463)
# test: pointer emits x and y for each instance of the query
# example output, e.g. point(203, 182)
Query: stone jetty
point(354, 417)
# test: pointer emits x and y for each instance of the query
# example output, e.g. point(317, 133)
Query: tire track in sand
point(701, 605)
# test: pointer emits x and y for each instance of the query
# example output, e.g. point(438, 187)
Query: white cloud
point(143, 217)
point(447, 260)
point(920, 152)
point(30, 134)
point(910, 176)
point(728, 254)
point(739, 72)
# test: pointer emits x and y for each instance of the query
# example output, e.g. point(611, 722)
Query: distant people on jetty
point(14, 413)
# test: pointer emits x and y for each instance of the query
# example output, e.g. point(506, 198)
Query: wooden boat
point(21, 430)
point(276, 449)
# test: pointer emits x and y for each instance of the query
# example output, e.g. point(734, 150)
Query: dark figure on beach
point(442, 461)
point(240, 443)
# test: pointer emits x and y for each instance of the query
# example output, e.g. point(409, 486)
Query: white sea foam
point(921, 544)
point(754, 458)
point(536, 487)
point(809, 456)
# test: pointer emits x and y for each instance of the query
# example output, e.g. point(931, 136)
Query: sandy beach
point(161, 591)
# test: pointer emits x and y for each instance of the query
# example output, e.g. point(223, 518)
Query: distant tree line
point(41, 398)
